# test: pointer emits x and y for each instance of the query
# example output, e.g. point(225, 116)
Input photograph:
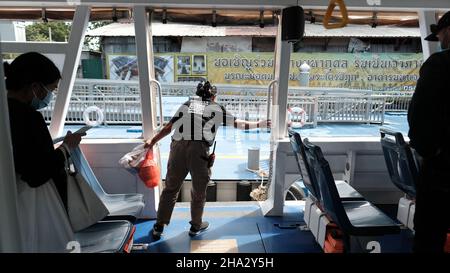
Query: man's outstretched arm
point(245, 125)
point(160, 135)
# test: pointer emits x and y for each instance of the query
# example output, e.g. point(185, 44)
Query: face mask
point(37, 103)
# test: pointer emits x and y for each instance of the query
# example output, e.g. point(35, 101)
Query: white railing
point(114, 111)
point(365, 109)
point(397, 101)
point(120, 102)
point(255, 107)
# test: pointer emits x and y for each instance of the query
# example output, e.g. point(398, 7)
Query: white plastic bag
point(44, 223)
point(132, 160)
point(260, 193)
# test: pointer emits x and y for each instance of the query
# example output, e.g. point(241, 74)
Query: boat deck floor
point(240, 227)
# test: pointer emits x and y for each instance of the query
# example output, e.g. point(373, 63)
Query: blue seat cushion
point(347, 192)
point(124, 204)
point(368, 220)
point(105, 237)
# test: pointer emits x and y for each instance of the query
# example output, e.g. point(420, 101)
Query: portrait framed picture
point(199, 65)
point(183, 65)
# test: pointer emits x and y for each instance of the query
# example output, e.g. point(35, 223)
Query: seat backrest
point(400, 162)
point(82, 166)
point(302, 163)
point(329, 195)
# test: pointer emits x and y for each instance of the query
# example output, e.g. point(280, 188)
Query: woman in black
point(30, 81)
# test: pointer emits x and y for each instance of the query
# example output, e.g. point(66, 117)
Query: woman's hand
point(72, 140)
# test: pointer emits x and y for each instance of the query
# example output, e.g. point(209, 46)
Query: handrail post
point(158, 84)
point(269, 93)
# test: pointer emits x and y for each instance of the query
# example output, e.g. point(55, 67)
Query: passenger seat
point(346, 192)
point(359, 220)
point(107, 237)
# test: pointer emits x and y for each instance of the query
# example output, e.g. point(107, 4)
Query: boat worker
point(429, 133)
point(195, 125)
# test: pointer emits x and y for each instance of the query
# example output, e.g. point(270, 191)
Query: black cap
point(435, 28)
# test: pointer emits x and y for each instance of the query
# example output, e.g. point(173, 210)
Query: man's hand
point(265, 123)
point(72, 140)
point(211, 159)
point(148, 143)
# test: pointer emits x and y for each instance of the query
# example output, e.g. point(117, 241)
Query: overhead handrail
point(161, 116)
point(330, 9)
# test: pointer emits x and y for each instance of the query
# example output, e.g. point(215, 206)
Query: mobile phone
point(83, 130)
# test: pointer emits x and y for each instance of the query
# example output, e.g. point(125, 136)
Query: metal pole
point(425, 19)
point(71, 61)
point(10, 239)
point(144, 52)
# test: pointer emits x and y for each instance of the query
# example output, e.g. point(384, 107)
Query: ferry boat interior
point(340, 179)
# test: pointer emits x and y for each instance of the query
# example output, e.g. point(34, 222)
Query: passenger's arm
point(160, 135)
point(40, 161)
point(243, 124)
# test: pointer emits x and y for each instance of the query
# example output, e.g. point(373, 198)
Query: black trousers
point(432, 215)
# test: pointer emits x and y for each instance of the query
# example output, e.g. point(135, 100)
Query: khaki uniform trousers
point(186, 156)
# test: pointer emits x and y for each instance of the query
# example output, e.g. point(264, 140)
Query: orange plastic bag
point(333, 241)
point(149, 171)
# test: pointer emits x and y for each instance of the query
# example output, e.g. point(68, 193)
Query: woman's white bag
point(84, 207)
point(44, 224)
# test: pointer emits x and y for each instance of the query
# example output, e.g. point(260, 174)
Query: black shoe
point(194, 231)
point(157, 231)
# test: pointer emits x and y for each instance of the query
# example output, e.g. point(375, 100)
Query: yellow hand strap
point(343, 10)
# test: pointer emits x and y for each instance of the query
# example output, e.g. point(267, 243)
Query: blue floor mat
point(253, 232)
point(176, 239)
point(240, 222)
point(226, 222)
point(293, 238)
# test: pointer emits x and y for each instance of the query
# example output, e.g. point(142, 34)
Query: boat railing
point(120, 102)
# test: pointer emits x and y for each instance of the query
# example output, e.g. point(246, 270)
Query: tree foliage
point(60, 31)
point(93, 43)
